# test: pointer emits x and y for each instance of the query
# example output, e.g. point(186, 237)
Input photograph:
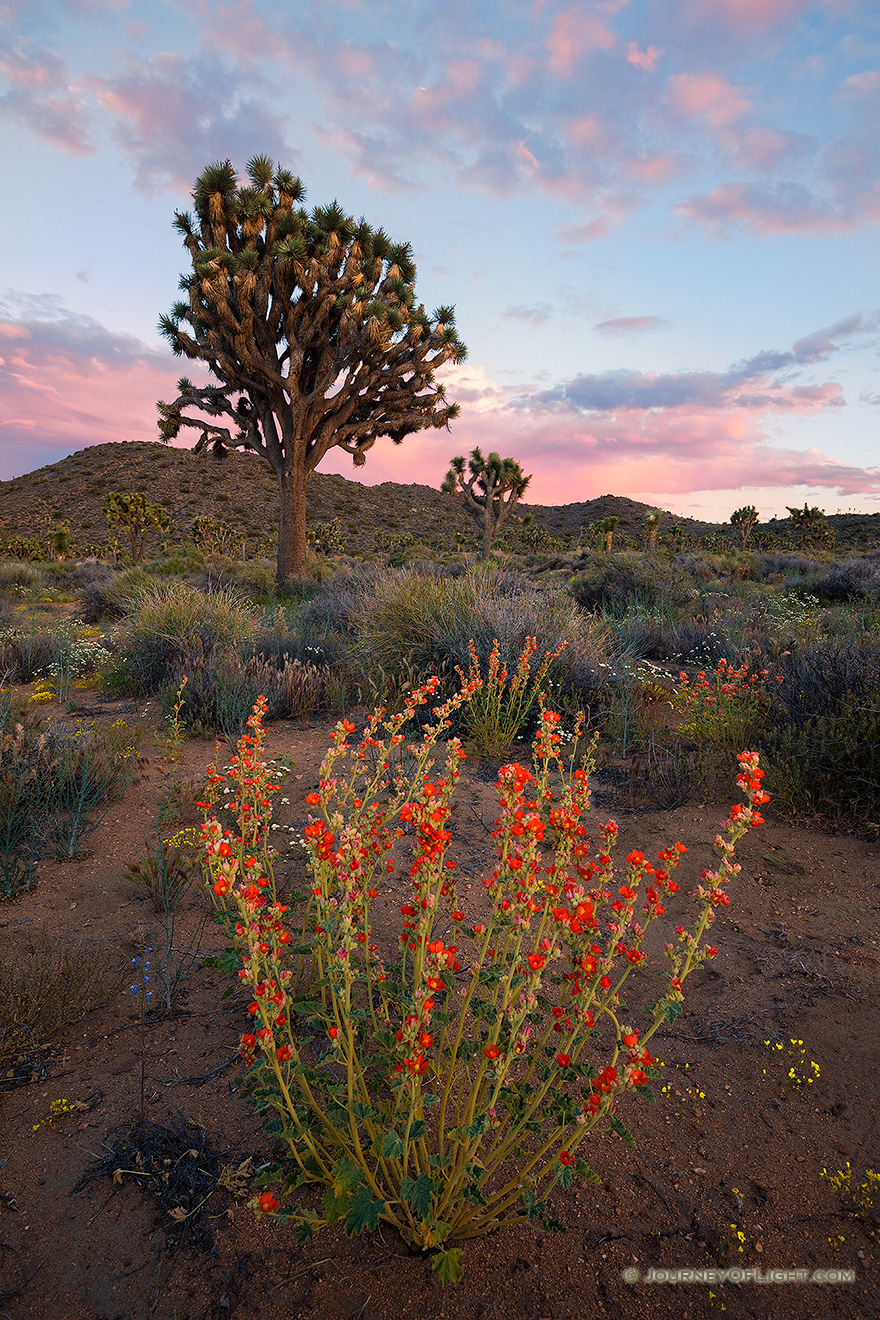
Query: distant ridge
point(241, 489)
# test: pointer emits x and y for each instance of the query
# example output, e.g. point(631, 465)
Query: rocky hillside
point(241, 490)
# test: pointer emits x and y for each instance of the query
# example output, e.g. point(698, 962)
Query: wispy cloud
point(630, 325)
point(39, 96)
point(533, 314)
point(172, 116)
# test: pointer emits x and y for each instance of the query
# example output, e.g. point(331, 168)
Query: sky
point(657, 221)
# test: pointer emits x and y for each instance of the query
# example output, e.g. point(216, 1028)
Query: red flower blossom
point(268, 1203)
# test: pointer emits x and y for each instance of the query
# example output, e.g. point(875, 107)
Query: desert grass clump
point(46, 987)
point(104, 593)
point(91, 769)
point(170, 626)
point(220, 690)
point(165, 872)
point(27, 791)
point(17, 578)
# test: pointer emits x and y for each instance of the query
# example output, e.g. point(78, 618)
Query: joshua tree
point(809, 526)
point(744, 520)
point(653, 520)
point(134, 513)
point(311, 325)
point(605, 529)
point(494, 478)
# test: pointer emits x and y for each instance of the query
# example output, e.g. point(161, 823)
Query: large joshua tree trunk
point(292, 525)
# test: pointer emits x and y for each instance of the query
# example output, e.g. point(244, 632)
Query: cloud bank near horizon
point(70, 383)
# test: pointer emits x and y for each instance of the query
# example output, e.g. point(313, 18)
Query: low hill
point(242, 490)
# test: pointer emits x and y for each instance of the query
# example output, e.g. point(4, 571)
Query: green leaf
point(418, 1192)
point(447, 1265)
point(334, 1206)
point(392, 1146)
point(347, 1175)
point(363, 1212)
point(584, 1171)
point(565, 1176)
point(439, 1161)
point(305, 1229)
point(363, 1111)
point(459, 1134)
point(622, 1130)
point(418, 1129)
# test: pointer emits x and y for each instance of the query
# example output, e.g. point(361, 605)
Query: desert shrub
point(819, 676)
point(17, 576)
point(822, 730)
point(112, 595)
point(26, 653)
point(798, 568)
point(332, 608)
point(166, 871)
point(91, 769)
point(514, 613)
point(45, 987)
point(178, 625)
point(418, 615)
point(615, 581)
point(853, 579)
point(792, 615)
point(699, 565)
point(830, 765)
point(26, 794)
point(220, 691)
point(179, 561)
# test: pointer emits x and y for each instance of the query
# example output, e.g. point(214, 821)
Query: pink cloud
point(763, 148)
point(708, 96)
point(746, 16)
point(784, 208)
point(68, 383)
point(40, 97)
point(669, 454)
point(862, 84)
point(627, 325)
point(611, 210)
point(573, 34)
point(642, 59)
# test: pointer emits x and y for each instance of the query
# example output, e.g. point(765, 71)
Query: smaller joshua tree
point(744, 520)
point(653, 520)
point(604, 531)
point(494, 478)
point(134, 513)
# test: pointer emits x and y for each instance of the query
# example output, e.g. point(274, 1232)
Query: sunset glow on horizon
point(658, 224)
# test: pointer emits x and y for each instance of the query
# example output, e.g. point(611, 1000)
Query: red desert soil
point(729, 1144)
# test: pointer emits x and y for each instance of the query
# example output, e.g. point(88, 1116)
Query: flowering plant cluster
point(447, 1086)
point(723, 707)
point(497, 710)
